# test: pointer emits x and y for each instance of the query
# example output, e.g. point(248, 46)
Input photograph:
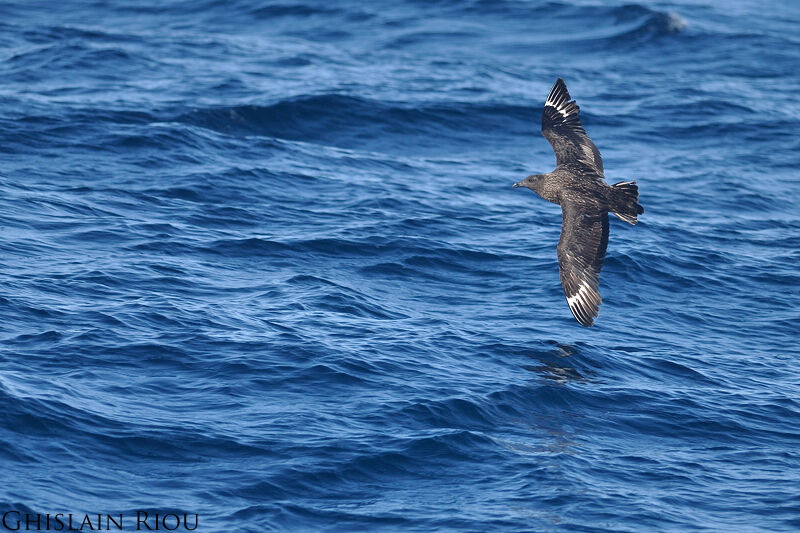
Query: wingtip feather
point(558, 91)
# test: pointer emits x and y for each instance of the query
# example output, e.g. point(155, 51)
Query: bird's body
point(577, 185)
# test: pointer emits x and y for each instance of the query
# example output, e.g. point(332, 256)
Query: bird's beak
point(516, 185)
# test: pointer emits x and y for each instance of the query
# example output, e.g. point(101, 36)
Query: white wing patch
point(585, 296)
point(584, 303)
point(562, 109)
point(578, 296)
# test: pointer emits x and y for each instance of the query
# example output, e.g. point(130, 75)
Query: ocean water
point(262, 263)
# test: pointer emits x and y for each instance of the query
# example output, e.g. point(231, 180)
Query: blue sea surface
point(262, 262)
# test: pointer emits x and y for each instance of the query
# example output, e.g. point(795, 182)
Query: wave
point(640, 24)
point(565, 28)
point(350, 121)
point(263, 258)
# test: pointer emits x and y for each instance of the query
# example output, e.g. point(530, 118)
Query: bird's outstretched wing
point(581, 249)
point(562, 128)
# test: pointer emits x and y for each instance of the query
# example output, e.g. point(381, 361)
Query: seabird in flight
point(577, 186)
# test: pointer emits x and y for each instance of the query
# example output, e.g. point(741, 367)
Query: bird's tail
point(625, 201)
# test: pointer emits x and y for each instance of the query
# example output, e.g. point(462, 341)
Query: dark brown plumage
point(577, 185)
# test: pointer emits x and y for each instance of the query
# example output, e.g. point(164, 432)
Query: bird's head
point(532, 182)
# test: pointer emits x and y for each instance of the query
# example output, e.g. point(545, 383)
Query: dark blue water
point(262, 262)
